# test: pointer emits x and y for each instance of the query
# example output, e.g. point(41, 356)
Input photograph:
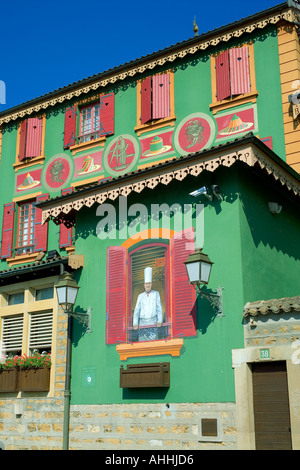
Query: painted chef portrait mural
point(148, 310)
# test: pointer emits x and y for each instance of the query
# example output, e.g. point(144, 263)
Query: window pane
point(17, 298)
point(43, 294)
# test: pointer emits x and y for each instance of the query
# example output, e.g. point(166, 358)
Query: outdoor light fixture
point(198, 266)
point(67, 290)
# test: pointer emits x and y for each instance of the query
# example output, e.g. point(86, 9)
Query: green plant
point(35, 361)
point(8, 362)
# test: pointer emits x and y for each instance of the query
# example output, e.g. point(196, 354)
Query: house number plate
point(265, 353)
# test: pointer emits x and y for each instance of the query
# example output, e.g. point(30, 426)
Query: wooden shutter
point(40, 333)
point(183, 294)
point(107, 114)
point(8, 230)
point(66, 230)
point(22, 144)
point(146, 98)
point(70, 126)
point(40, 231)
point(116, 295)
point(34, 137)
point(161, 96)
point(12, 333)
point(222, 76)
point(239, 70)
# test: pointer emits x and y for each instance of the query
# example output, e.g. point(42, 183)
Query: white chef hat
point(147, 275)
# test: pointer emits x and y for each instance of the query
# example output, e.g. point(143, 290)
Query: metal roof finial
point(195, 29)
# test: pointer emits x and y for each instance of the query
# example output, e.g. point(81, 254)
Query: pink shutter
point(239, 70)
point(70, 127)
point(116, 295)
point(8, 230)
point(22, 145)
point(107, 114)
point(40, 231)
point(66, 226)
point(223, 76)
point(34, 137)
point(183, 294)
point(146, 98)
point(161, 96)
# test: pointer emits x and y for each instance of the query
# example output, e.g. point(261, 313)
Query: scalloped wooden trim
point(289, 15)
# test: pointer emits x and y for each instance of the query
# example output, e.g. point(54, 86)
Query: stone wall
point(37, 424)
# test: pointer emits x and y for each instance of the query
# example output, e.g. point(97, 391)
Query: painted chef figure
point(148, 310)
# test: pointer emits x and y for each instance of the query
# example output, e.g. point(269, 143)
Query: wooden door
point(271, 406)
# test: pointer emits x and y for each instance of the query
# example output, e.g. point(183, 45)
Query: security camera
point(216, 191)
point(200, 192)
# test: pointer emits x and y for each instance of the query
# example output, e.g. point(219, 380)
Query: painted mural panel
point(28, 181)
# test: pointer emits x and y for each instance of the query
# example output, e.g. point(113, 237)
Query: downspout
point(67, 391)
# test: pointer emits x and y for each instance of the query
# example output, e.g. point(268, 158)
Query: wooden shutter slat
point(161, 96)
point(34, 137)
point(40, 231)
point(107, 114)
point(116, 295)
point(65, 231)
point(183, 294)
point(223, 76)
point(146, 98)
point(12, 333)
point(70, 127)
point(40, 330)
point(239, 70)
point(8, 230)
point(22, 144)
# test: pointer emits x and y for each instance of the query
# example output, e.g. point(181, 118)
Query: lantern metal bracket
point(216, 300)
point(83, 318)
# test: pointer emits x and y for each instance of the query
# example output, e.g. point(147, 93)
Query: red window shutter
point(183, 294)
point(146, 100)
point(40, 231)
point(34, 137)
point(66, 229)
point(161, 96)
point(116, 295)
point(22, 146)
point(70, 127)
point(107, 114)
point(222, 76)
point(239, 70)
point(8, 230)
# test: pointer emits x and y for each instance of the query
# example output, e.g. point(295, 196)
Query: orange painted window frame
point(216, 105)
point(157, 123)
point(35, 160)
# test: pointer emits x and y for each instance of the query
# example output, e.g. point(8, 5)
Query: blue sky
point(48, 45)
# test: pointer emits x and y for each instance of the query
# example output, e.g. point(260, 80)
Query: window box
point(35, 380)
point(9, 380)
point(145, 375)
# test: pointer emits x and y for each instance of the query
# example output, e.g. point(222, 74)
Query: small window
point(26, 227)
point(89, 123)
point(44, 294)
point(210, 428)
point(12, 335)
point(16, 298)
